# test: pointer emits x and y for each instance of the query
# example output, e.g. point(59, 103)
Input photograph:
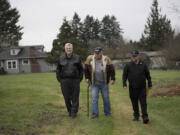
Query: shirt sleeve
point(111, 68)
point(148, 77)
point(58, 70)
point(124, 76)
point(87, 68)
point(80, 69)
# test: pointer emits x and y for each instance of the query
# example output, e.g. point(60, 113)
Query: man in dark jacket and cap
point(137, 72)
point(69, 73)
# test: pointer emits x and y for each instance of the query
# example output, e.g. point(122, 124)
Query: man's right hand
point(125, 87)
point(87, 80)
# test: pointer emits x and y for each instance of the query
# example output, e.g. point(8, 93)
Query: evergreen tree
point(157, 30)
point(87, 29)
point(10, 32)
point(96, 27)
point(66, 35)
point(110, 30)
point(76, 26)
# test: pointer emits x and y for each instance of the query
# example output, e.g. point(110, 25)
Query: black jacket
point(69, 68)
point(136, 75)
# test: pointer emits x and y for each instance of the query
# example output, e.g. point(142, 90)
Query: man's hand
point(87, 80)
point(125, 87)
point(112, 82)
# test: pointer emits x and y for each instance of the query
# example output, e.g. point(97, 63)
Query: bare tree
point(172, 52)
point(93, 44)
point(119, 51)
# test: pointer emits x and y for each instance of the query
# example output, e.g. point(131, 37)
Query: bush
point(2, 71)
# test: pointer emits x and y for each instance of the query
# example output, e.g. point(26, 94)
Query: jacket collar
point(139, 62)
point(68, 57)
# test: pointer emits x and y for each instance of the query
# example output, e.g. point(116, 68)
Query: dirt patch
point(169, 92)
point(51, 115)
point(5, 130)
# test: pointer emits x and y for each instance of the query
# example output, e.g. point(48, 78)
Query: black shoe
point(108, 115)
point(73, 115)
point(69, 114)
point(136, 119)
point(145, 120)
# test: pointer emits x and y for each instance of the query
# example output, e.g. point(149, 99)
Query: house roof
point(153, 53)
point(25, 52)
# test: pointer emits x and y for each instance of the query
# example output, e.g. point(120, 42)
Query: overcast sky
point(42, 19)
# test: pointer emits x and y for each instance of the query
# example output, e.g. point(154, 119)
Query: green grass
point(33, 104)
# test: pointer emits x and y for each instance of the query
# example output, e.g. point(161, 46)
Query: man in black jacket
point(137, 72)
point(69, 73)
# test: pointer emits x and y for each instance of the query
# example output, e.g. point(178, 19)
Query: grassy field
point(32, 104)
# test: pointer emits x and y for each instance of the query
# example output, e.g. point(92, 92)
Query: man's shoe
point(146, 120)
point(94, 116)
point(73, 115)
point(108, 114)
point(136, 119)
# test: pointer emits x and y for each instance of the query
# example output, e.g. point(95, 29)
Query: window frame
point(25, 63)
point(11, 64)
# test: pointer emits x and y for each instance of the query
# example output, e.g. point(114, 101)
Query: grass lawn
point(32, 104)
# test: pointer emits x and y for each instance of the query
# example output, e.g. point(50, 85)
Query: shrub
point(2, 71)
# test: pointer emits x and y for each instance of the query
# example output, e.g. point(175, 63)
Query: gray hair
point(68, 44)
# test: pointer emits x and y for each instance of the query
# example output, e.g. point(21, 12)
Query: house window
point(25, 62)
point(12, 64)
point(14, 51)
point(9, 64)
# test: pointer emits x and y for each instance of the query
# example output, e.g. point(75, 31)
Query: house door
point(35, 66)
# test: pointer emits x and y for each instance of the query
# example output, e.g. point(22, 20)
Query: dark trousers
point(70, 90)
point(138, 95)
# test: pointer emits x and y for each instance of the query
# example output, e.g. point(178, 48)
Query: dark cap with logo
point(135, 53)
point(97, 50)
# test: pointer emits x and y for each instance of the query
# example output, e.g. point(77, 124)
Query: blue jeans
point(104, 88)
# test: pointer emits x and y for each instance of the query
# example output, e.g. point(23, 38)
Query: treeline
point(157, 32)
point(86, 34)
point(91, 32)
point(159, 35)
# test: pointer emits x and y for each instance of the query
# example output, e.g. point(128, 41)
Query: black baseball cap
point(135, 53)
point(97, 50)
